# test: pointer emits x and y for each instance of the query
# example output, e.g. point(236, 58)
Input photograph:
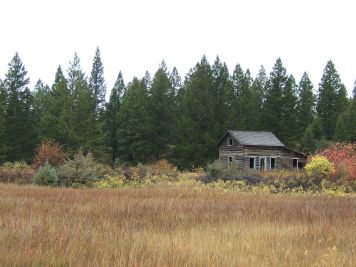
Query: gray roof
point(256, 138)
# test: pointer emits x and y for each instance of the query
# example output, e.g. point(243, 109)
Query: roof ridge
point(257, 138)
point(251, 131)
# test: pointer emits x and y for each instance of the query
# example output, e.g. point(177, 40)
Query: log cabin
point(257, 151)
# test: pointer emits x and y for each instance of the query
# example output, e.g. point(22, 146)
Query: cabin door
point(262, 164)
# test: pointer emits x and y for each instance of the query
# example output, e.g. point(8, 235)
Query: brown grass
point(173, 226)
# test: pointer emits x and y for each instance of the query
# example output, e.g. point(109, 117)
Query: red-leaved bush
point(343, 155)
point(49, 151)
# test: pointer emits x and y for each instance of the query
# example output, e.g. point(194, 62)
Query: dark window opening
point(252, 163)
point(230, 142)
point(295, 163)
point(273, 163)
point(230, 160)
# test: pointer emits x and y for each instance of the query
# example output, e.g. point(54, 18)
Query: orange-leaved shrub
point(343, 156)
point(163, 167)
point(50, 152)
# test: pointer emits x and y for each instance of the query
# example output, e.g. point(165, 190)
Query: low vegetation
point(173, 225)
point(85, 213)
point(324, 173)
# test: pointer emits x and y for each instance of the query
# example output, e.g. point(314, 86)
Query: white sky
point(135, 35)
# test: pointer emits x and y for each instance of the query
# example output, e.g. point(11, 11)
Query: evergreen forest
point(167, 116)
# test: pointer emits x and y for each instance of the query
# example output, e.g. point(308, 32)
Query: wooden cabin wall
point(236, 150)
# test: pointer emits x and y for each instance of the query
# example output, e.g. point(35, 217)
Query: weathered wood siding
point(242, 154)
point(283, 157)
point(236, 151)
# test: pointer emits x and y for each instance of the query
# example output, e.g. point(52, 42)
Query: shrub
point(47, 175)
point(215, 170)
point(164, 168)
point(51, 152)
point(137, 173)
point(343, 156)
point(16, 172)
point(319, 166)
point(116, 181)
point(159, 171)
point(81, 169)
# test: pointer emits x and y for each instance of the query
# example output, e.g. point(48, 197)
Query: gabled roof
point(252, 138)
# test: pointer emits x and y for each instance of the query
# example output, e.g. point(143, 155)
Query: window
point(273, 163)
point(252, 163)
point(229, 162)
point(295, 164)
point(229, 142)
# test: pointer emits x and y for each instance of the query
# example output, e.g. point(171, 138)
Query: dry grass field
point(173, 226)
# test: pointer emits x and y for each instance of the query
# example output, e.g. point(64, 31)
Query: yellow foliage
point(319, 166)
point(110, 182)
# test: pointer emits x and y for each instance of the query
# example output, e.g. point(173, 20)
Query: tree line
point(168, 117)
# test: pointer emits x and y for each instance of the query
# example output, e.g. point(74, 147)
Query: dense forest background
point(165, 116)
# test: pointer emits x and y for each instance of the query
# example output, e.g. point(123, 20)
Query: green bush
point(47, 175)
point(215, 170)
point(81, 169)
point(319, 166)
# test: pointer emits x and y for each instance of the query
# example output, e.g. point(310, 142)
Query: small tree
point(50, 152)
point(81, 169)
point(47, 175)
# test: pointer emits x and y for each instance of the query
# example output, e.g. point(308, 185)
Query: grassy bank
point(173, 225)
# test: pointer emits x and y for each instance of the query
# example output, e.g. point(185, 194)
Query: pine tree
point(134, 133)
point(196, 145)
point(98, 91)
point(2, 124)
point(177, 94)
point(306, 103)
point(249, 100)
point(240, 107)
point(222, 96)
point(331, 99)
point(288, 132)
point(341, 131)
point(56, 122)
point(260, 83)
point(352, 116)
point(176, 80)
point(97, 84)
point(161, 112)
point(313, 134)
point(41, 96)
point(111, 117)
point(19, 129)
point(148, 80)
point(81, 106)
point(346, 123)
point(273, 104)
point(258, 91)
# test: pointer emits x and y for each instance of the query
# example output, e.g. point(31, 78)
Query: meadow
point(173, 225)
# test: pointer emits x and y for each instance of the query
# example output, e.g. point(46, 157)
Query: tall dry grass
point(173, 226)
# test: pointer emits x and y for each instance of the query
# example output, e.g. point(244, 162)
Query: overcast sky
point(135, 35)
